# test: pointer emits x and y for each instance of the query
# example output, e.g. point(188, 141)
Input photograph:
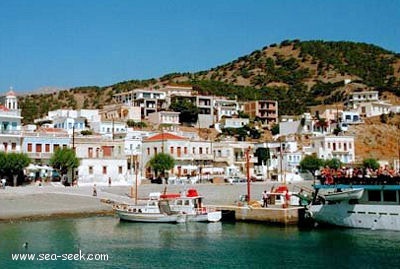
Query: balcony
point(39, 155)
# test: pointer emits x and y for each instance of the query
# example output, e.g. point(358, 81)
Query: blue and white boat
point(364, 203)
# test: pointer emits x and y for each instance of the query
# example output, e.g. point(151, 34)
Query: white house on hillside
point(339, 147)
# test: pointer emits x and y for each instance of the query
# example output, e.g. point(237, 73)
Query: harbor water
point(193, 245)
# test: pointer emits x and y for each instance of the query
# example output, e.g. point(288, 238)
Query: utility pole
point(73, 148)
point(248, 173)
point(136, 178)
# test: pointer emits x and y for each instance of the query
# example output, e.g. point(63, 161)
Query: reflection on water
point(197, 245)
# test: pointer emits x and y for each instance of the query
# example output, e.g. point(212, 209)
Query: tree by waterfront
point(12, 165)
point(64, 160)
point(311, 163)
point(161, 163)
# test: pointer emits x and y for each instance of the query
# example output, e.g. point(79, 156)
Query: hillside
point(299, 74)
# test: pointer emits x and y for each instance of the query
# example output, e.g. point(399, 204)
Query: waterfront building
point(10, 124)
point(40, 144)
point(100, 159)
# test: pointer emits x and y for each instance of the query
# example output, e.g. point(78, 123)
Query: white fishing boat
point(153, 211)
point(170, 208)
point(372, 205)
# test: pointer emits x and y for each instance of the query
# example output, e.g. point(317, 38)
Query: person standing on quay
point(265, 198)
point(109, 181)
point(94, 190)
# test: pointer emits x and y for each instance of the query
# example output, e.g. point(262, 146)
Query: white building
point(225, 108)
point(339, 147)
point(357, 98)
point(236, 122)
point(164, 117)
point(101, 159)
point(10, 124)
point(351, 117)
point(41, 144)
point(109, 128)
point(373, 109)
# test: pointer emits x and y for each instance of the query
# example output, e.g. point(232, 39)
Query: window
point(120, 170)
point(47, 147)
point(185, 150)
point(389, 196)
point(374, 196)
point(29, 147)
point(171, 150)
point(90, 170)
point(13, 146)
point(148, 151)
point(38, 147)
point(200, 150)
point(104, 170)
point(90, 152)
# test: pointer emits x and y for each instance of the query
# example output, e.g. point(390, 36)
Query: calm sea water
point(196, 245)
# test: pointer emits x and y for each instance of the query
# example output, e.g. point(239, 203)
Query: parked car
point(235, 179)
point(258, 177)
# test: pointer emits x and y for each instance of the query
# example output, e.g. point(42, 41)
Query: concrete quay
point(292, 215)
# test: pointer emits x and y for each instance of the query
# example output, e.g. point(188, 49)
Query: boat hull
point(206, 217)
point(376, 217)
point(149, 217)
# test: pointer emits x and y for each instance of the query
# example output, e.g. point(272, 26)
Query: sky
point(71, 43)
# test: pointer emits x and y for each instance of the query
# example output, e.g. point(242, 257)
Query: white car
point(235, 179)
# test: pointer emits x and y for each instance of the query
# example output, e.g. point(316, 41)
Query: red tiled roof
point(165, 136)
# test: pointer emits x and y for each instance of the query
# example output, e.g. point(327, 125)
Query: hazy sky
point(55, 43)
